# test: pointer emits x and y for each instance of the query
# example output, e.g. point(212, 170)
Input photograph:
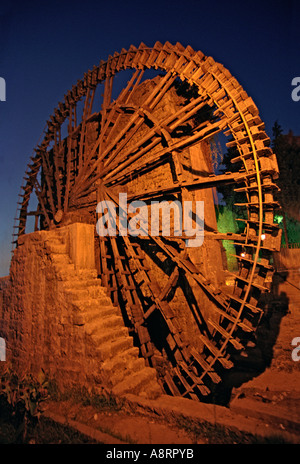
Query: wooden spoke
point(48, 174)
point(70, 168)
point(38, 191)
point(197, 183)
point(132, 127)
point(131, 156)
point(57, 170)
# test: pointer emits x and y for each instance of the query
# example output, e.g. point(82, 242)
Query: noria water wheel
point(144, 123)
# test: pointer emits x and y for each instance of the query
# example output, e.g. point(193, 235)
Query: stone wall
point(55, 315)
point(287, 258)
point(37, 317)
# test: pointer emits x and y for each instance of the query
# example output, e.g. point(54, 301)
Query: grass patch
point(44, 432)
point(81, 395)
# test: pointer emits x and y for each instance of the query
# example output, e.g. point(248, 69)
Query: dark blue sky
point(46, 46)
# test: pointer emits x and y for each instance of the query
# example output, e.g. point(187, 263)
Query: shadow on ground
point(259, 354)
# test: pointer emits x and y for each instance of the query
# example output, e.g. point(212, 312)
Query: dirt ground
point(250, 419)
point(118, 427)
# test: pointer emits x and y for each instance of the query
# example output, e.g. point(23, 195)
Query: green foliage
point(287, 150)
point(277, 132)
point(89, 398)
point(293, 231)
point(27, 391)
point(226, 220)
point(21, 398)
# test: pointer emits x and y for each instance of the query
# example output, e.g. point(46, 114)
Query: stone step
point(98, 324)
point(93, 305)
point(67, 272)
point(64, 270)
point(82, 284)
point(60, 235)
point(87, 274)
point(127, 370)
point(92, 317)
point(93, 291)
point(52, 236)
point(57, 247)
point(103, 324)
point(113, 363)
point(113, 346)
point(136, 383)
point(153, 390)
point(104, 338)
point(122, 366)
point(130, 353)
point(59, 258)
point(92, 311)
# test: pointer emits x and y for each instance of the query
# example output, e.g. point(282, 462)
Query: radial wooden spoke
point(105, 122)
point(88, 103)
point(57, 172)
point(118, 105)
point(158, 295)
point(191, 109)
point(211, 236)
point(186, 113)
point(183, 263)
point(204, 182)
point(38, 192)
point(69, 156)
point(135, 154)
point(48, 173)
point(134, 124)
point(99, 162)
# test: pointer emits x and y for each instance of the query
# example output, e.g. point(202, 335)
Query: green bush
point(21, 400)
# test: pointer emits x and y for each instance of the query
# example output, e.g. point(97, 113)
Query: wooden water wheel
point(145, 123)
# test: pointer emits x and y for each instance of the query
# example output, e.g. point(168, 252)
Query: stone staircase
point(120, 367)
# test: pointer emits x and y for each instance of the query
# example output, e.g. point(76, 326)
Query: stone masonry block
point(81, 245)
